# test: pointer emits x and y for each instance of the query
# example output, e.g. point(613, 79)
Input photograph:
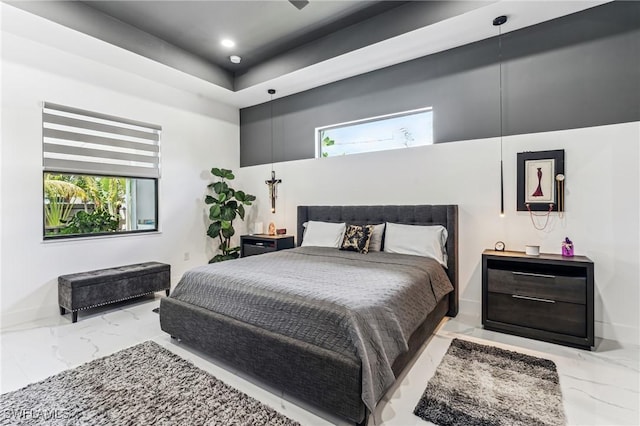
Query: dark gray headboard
point(445, 215)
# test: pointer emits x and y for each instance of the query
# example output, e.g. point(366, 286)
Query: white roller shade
point(85, 142)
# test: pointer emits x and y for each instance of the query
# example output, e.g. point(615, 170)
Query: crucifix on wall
point(273, 189)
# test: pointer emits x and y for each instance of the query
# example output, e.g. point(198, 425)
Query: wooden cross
point(273, 190)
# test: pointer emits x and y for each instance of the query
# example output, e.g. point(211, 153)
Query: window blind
point(85, 142)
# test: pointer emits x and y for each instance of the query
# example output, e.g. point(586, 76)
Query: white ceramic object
point(532, 250)
point(258, 228)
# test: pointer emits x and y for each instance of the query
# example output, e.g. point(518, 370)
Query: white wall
point(197, 135)
point(602, 204)
point(602, 200)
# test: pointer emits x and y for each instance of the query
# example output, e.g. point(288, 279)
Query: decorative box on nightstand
point(547, 297)
point(251, 245)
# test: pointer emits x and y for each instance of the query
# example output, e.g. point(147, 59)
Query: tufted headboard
point(445, 215)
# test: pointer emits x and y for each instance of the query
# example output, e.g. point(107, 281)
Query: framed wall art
point(541, 181)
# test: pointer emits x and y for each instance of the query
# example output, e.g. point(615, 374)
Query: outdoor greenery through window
point(393, 131)
point(79, 205)
point(100, 173)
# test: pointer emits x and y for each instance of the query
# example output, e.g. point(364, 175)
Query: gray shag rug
point(484, 385)
point(142, 385)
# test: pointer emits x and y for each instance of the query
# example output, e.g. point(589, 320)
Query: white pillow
point(428, 241)
point(375, 244)
point(323, 234)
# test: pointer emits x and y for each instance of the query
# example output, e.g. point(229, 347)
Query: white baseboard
point(471, 310)
point(15, 318)
point(620, 333)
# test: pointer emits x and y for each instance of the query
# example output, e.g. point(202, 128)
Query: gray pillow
point(375, 244)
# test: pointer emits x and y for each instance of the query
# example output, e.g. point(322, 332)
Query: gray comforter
point(364, 306)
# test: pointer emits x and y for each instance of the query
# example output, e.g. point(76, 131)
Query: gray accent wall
point(577, 71)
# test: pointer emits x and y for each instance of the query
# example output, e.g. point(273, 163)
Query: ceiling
point(282, 47)
point(260, 29)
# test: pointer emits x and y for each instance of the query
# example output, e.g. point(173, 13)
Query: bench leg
point(75, 316)
point(62, 310)
point(167, 291)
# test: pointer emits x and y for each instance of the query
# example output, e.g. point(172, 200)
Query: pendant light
point(498, 22)
point(273, 182)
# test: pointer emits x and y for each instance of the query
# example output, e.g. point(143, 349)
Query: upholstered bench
point(95, 288)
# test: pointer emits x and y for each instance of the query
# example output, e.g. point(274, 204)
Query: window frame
point(61, 237)
point(104, 121)
point(318, 141)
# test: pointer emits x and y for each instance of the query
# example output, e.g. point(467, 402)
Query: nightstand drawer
point(250, 245)
point(541, 314)
point(252, 249)
point(559, 288)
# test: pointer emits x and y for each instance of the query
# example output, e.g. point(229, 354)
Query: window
point(400, 130)
point(100, 174)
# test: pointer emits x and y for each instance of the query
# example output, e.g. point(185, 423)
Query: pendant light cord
point(271, 92)
point(273, 182)
point(500, 74)
point(501, 125)
point(498, 22)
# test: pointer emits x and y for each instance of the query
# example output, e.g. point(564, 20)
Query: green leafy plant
point(226, 205)
point(60, 196)
point(90, 223)
point(62, 190)
point(106, 193)
point(326, 141)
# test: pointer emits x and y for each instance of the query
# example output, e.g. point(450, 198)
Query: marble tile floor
point(599, 388)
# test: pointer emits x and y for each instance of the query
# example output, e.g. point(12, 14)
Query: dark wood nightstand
point(547, 297)
point(261, 243)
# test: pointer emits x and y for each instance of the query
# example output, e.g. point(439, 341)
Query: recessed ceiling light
point(227, 42)
point(235, 59)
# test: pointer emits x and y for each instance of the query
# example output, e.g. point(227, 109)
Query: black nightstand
point(258, 244)
point(547, 297)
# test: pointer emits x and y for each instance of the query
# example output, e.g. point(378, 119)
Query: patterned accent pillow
point(357, 238)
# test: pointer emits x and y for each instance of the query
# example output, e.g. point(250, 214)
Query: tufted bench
point(95, 288)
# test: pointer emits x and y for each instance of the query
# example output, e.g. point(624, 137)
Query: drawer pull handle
point(531, 274)
point(536, 299)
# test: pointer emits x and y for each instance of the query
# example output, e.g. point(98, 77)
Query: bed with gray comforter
point(340, 313)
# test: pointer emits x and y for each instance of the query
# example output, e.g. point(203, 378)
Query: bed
point(316, 368)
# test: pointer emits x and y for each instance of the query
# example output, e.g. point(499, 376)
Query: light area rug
point(142, 385)
point(484, 385)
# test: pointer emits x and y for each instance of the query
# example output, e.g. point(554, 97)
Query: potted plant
point(226, 205)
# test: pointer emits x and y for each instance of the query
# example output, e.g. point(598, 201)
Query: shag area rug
point(142, 385)
point(484, 385)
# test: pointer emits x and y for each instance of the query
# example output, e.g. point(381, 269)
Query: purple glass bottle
point(567, 247)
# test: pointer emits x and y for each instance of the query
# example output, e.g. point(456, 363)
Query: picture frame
point(538, 186)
